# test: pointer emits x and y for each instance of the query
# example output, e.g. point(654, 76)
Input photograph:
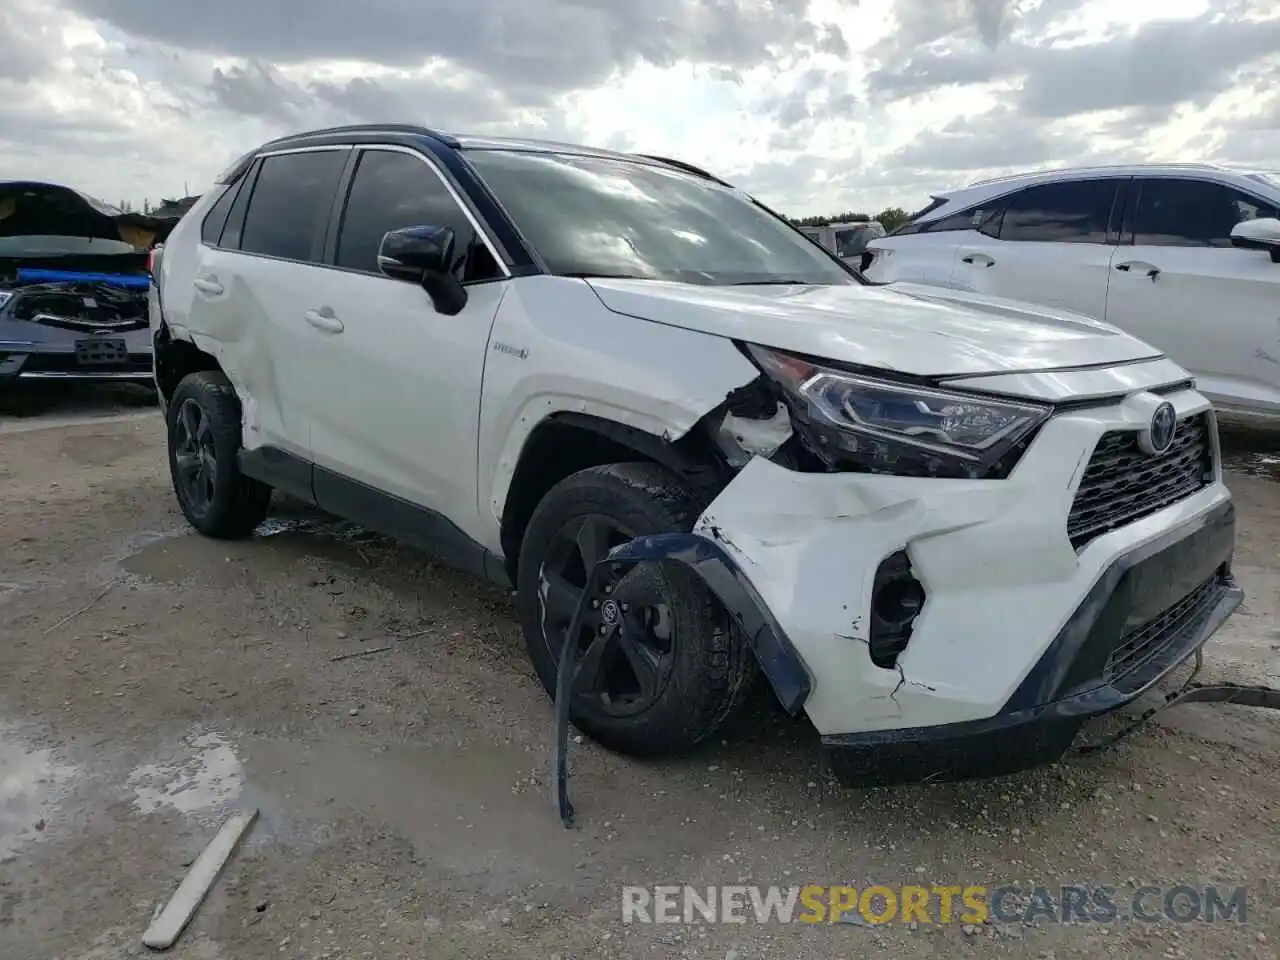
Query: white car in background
point(848, 241)
point(1174, 254)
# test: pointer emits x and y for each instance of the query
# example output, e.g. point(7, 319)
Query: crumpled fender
point(778, 659)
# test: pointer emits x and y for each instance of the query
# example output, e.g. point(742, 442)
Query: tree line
point(890, 218)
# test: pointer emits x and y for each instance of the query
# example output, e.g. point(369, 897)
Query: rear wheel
point(671, 678)
point(203, 418)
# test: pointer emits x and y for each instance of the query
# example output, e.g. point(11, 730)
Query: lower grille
point(1142, 644)
point(1122, 484)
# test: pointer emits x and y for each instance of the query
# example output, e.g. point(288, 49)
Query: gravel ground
point(150, 678)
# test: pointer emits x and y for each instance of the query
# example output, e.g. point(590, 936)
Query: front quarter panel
point(555, 348)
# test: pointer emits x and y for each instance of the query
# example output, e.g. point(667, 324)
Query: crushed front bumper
point(1152, 610)
point(1024, 630)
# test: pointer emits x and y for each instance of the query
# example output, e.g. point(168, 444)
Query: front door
point(401, 382)
point(1183, 288)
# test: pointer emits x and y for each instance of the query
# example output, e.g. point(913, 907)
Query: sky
point(814, 106)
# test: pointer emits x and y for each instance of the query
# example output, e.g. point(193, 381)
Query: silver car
point(74, 275)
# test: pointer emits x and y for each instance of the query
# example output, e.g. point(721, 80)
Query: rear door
point(1179, 284)
point(923, 253)
point(250, 286)
point(1048, 244)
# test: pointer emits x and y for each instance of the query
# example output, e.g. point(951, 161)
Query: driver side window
point(1192, 213)
point(391, 190)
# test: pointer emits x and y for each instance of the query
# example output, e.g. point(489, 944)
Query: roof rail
point(686, 167)
point(410, 128)
point(1095, 168)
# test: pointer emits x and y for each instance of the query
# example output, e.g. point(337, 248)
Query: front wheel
point(203, 418)
point(671, 680)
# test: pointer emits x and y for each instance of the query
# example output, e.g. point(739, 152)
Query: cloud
point(815, 105)
point(1159, 65)
point(535, 46)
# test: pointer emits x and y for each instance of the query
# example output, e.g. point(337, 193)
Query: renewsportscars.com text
point(969, 904)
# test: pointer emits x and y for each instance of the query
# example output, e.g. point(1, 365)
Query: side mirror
point(1262, 233)
point(424, 255)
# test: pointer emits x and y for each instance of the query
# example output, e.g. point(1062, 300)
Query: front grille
point(1122, 484)
point(1141, 644)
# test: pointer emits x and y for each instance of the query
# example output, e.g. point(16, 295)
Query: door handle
point(1149, 270)
point(208, 285)
point(978, 260)
point(324, 319)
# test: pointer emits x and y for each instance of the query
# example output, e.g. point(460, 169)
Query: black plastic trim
point(1065, 688)
point(778, 658)
point(280, 469)
point(1184, 558)
point(1000, 745)
point(374, 509)
point(520, 256)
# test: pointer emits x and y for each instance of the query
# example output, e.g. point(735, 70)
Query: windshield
point(598, 216)
point(57, 246)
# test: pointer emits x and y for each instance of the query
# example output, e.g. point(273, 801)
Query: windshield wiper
point(593, 275)
point(774, 282)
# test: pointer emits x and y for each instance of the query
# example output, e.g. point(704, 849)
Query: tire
point(228, 505)
point(709, 667)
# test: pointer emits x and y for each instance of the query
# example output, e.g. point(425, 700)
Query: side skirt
point(374, 509)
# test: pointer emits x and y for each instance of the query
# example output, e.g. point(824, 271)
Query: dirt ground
point(149, 679)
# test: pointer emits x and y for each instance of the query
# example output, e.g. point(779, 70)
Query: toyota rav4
point(947, 527)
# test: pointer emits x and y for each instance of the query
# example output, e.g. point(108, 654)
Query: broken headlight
point(854, 421)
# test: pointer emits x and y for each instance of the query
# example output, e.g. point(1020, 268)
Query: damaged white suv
point(949, 528)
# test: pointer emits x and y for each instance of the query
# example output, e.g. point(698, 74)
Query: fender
point(722, 575)
point(555, 349)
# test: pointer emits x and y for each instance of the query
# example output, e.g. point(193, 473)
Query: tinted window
point(602, 216)
point(394, 190)
point(912, 224)
point(1192, 213)
point(216, 218)
point(1061, 212)
point(290, 204)
point(975, 218)
point(235, 219)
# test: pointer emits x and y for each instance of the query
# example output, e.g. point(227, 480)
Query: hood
point(46, 209)
point(908, 328)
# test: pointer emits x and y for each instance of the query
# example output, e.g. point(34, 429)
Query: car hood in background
point(908, 328)
point(29, 209)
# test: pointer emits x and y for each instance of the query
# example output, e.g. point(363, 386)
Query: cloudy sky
point(817, 106)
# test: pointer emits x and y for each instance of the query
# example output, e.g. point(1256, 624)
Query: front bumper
point(1170, 595)
point(38, 353)
point(1016, 644)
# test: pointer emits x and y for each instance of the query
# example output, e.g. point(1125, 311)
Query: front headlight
point(902, 428)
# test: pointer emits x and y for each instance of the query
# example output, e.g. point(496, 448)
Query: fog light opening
point(897, 599)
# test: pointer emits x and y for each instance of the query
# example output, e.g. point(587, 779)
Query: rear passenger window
point(1192, 213)
point(392, 190)
point(290, 205)
point(216, 218)
point(1061, 212)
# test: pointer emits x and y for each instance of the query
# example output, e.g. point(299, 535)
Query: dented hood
point(908, 328)
point(29, 209)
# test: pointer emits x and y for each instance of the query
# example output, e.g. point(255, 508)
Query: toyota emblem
point(609, 611)
point(1157, 438)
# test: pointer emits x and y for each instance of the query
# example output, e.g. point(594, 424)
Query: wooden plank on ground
point(177, 913)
